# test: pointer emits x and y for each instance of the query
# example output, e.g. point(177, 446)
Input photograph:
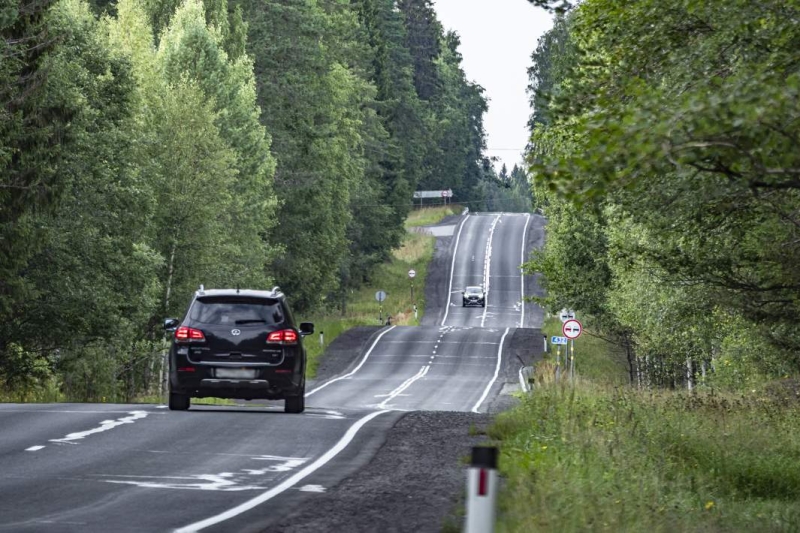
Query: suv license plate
point(236, 373)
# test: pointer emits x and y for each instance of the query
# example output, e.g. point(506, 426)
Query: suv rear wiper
point(251, 321)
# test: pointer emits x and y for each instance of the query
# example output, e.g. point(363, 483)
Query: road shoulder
point(415, 482)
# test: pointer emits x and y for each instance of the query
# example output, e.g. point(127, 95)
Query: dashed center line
point(406, 384)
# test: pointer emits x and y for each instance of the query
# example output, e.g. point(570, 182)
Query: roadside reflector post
point(482, 485)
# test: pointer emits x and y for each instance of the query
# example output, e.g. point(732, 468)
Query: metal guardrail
point(526, 378)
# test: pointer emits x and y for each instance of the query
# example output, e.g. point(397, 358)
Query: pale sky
point(497, 39)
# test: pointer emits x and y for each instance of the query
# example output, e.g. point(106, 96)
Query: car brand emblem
point(236, 332)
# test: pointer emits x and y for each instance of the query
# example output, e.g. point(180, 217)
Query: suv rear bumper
point(243, 389)
point(268, 382)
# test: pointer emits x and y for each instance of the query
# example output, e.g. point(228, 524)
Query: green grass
point(597, 455)
point(427, 216)
point(47, 392)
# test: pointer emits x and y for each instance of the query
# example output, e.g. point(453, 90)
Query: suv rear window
point(229, 311)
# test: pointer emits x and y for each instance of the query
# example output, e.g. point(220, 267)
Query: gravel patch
point(415, 483)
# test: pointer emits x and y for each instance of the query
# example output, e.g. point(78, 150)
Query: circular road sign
point(572, 329)
point(380, 296)
point(412, 273)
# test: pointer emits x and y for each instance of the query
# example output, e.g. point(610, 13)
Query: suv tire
point(295, 404)
point(179, 402)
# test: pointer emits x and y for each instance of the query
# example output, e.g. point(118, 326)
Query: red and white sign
point(572, 329)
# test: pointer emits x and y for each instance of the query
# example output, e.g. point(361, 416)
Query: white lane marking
point(288, 464)
point(206, 482)
point(453, 268)
point(222, 482)
point(324, 416)
point(34, 448)
point(522, 272)
point(312, 488)
point(406, 384)
point(403, 355)
point(487, 266)
point(59, 522)
point(67, 411)
point(288, 483)
point(364, 360)
point(105, 425)
point(496, 373)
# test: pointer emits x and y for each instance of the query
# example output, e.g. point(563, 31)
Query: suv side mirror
point(171, 324)
point(306, 328)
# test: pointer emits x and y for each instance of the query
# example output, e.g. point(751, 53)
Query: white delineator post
point(481, 490)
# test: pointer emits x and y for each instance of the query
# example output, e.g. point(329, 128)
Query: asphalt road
point(132, 468)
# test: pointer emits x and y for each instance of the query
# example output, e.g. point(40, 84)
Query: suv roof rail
point(276, 289)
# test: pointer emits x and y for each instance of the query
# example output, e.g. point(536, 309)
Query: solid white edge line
point(287, 484)
point(364, 360)
point(487, 268)
point(452, 270)
point(496, 372)
point(522, 271)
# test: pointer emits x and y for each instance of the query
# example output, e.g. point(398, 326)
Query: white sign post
point(411, 275)
point(572, 329)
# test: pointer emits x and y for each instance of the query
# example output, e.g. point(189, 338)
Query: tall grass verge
point(597, 458)
point(427, 216)
point(598, 455)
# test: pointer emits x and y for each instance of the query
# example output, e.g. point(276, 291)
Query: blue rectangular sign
point(558, 340)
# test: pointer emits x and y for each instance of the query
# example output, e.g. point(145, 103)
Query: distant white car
point(473, 296)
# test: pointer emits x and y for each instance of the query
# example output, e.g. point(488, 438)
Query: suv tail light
point(284, 336)
point(187, 334)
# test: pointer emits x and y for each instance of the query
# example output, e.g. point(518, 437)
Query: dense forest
point(150, 146)
point(665, 152)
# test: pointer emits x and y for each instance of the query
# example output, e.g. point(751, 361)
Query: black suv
point(237, 344)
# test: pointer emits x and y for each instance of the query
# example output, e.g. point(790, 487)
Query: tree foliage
point(678, 124)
